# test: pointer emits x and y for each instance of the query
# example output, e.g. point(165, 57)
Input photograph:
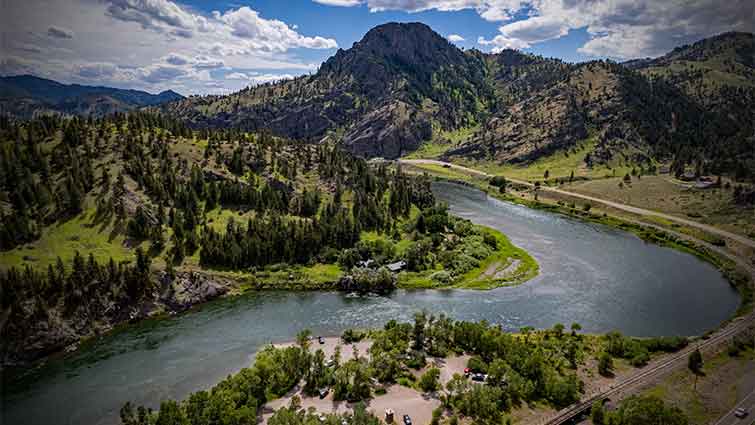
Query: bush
point(477, 365)
point(429, 381)
point(490, 240)
point(353, 335)
point(605, 364)
point(442, 277)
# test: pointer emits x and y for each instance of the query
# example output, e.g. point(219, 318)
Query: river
point(602, 278)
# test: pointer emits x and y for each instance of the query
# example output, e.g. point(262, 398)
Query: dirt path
point(628, 208)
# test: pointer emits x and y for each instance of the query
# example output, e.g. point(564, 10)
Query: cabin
point(397, 266)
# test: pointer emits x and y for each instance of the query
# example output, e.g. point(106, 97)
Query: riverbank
point(626, 285)
point(738, 272)
point(434, 368)
point(26, 344)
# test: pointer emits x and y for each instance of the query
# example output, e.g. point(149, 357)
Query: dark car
point(407, 420)
point(324, 393)
point(479, 377)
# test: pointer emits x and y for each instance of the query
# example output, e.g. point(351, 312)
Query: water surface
point(602, 278)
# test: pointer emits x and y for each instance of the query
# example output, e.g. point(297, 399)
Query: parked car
point(479, 377)
point(321, 340)
point(407, 420)
point(324, 393)
point(741, 412)
point(467, 371)
point(446, 165)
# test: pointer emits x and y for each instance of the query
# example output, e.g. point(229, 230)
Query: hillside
point(25, 95)
point(380, 98)
point(403, 87)
point(717, 74)
point(109, 220)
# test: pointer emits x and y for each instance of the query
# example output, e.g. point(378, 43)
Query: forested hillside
point(110, 220)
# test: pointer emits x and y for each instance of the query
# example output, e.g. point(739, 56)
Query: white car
point(741, 412)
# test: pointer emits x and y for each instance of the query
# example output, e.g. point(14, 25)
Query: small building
point(397, 266)
point(366, 263)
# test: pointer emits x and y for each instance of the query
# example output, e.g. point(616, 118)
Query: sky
point(202, 47)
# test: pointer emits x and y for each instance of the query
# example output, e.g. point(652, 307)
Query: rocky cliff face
point(50, 331)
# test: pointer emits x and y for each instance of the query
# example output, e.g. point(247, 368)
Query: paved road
point(747, 403)
point(635, 210)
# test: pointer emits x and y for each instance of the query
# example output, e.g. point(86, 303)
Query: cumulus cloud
point(157, 15)
point(58, 32)
point(150, 44)
point(343, 3)
point(269, 34)
point(455, 38)
point(617, 28)
point(177, 59)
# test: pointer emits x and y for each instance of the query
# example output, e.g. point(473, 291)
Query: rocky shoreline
point(55, 332)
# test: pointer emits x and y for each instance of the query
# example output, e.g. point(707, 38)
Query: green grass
point(476, 278)
point(81, 233)
point(285, 277)
point(441, 142)
point(507, 252)
point(441, 171)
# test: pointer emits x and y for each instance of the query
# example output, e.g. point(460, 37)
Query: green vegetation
point(639, 410)
point(451, 252)
point(530, 367)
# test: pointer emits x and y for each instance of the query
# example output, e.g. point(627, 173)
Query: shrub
point(429, 381)
point(442, 277)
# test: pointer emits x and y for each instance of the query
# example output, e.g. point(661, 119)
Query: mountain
point(26, 95)
point(403, 85)
point(381, 97)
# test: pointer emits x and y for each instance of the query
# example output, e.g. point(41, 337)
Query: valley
point(423, 208)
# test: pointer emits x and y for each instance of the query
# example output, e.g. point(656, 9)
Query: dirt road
point(628, 208)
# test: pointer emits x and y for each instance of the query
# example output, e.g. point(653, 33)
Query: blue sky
point(348, 24)
point(200, 46)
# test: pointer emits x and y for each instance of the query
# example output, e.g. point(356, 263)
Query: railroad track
point(660, 368)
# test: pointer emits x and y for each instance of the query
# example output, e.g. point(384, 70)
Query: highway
point(747, 403)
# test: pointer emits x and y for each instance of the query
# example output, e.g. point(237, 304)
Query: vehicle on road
point(407, 420)
point(741, 412)
point(324, 393)
point(321, 340)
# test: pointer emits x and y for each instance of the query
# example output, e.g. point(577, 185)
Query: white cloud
point(342, 3)
point(617, 28)
point(177, 59)
point(269, 34)
point(455, 38)
point(149, 44)
point(525, 33)
point(256, 78)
